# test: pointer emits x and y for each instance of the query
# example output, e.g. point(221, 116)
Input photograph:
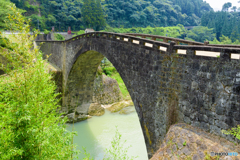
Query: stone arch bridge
point(180, 81)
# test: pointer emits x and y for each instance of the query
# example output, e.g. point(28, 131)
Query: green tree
point(234, 8)
point(88, 15)
point(30, 125)
point(100, 21)
point(235, 34)
point(4, 12)
point(226, 29)
point(201, 34)
point(226, 6)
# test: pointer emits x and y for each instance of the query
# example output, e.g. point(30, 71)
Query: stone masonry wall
point(210, 93)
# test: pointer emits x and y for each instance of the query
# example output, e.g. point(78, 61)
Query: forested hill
point(140, 13)
point(118, 13)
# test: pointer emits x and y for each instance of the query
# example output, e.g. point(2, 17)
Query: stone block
point(215, 129)
point(205, 126)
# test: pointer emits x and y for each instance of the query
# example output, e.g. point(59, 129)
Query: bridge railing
point(193, 48)
point(165, 39)
point(125, 38)
point(221, 52)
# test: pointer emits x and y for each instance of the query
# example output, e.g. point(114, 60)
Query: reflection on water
point(95, 134)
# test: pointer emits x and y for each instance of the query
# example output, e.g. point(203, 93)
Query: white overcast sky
point(217, 4)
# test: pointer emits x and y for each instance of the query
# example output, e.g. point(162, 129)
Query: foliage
point(87, 155)
point(117, 151)
point(223, 23)
point(174, 31)
point(92, 14)
point(79, 32)
point(154, 13)
point(201, 34)
point(30, 126)
point(224, 40)
point(111, 72)
point(4, 12)
point(234, 131)
point(46, 31)
point(88, 15)
point(58, 37)
point(100, 21)
point(198, 33)
point(226, 6)
point(4, 42)
point(116, 13)
point(184, 143)
point(48, 13)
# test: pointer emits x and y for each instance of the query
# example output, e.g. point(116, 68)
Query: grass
point(123, 88)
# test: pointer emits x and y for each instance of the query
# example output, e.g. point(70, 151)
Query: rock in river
point(96, 109)
point(120, 105)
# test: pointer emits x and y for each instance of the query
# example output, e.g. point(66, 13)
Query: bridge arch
point(148, 72)
point(139, 67)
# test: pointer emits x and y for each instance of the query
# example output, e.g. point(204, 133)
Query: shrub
point(117, 151)
point(30, 126)
point(234, 131)
point(46, 31)
point(59, 37)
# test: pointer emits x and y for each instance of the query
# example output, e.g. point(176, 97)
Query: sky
point(217, 4)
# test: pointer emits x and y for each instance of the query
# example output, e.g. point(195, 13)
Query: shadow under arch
point(79, 86)
point(80, 82)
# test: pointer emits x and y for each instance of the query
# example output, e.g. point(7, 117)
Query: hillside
point(118, 13)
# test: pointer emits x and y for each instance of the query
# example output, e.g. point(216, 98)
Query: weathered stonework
point(165, 87)
point(106, 90)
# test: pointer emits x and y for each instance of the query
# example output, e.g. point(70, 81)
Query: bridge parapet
point(140, 39)
point(209, 51)
point(165, 39)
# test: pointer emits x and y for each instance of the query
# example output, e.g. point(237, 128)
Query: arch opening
point(79, 90)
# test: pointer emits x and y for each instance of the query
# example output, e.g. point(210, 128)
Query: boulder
point(119, 106)
point(72, 117)
point(127, 110)
point(106, 90)
point(82, 118)
point(189, 142)
point(96, 109)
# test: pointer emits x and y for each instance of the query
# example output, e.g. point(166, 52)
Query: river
point(96, 134)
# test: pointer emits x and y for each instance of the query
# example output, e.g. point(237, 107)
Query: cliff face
point(106, 90)
point(186, 142)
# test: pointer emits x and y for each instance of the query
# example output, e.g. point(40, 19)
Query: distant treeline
point(198, 33)
point(223, 23)
point(117, 13)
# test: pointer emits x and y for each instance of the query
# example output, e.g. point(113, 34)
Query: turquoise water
point(95, 134)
